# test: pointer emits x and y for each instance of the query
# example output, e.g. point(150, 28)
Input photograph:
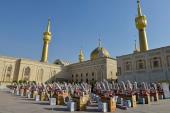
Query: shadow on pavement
point(40, 103)
point(92, 110)
point(56, 109)
point(29, 99)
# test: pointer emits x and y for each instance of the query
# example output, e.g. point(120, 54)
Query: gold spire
point(141, 23)
point(47, 39)
point(48, 25)
point(139, 8)
point(81, 56)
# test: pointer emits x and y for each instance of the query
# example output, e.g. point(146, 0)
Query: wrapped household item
point(81, 103)
point(34, 94)
point(120, 100)
point(141, 100)
point(132, 98)
point(12, 91)
point(102, 107)
point(37, 98)
point(52, 101)
point(161, 97)
point(127, 103)
point(17, 93)
point(29, 95)
point(22, 92)
point(166, 90)
point(111, 104)
point(71, 106)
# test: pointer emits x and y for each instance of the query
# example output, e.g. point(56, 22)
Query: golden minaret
point(141, 23)
point(47, 39)
point(81, 56)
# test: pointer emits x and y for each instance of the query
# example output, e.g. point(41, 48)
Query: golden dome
point(98, 53)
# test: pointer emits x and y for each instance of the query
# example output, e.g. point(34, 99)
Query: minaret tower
point(141, 23)
point(47, 39)
point(81, 56)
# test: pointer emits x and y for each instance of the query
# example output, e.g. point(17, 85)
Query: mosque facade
point(144, 64)
point(141, 65)
point(100, 66)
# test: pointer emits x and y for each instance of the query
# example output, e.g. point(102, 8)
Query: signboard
point(166, 91)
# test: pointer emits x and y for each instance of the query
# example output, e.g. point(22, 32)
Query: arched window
point(156, 62)
point(86, 74)
point(87, 80)
point(128, 66)
point(9, 72)
point(76, 80)
point(140, 64)
point(118, 71)
point(92, 73)
point(76, 75)
point(27, 73)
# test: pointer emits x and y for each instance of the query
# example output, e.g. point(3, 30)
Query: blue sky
point(76, 24)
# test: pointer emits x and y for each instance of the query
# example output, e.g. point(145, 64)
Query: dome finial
point(139, 8)
point(48, 25)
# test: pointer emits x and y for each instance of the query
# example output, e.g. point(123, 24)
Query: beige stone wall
point(40, 72)
point(36, 71)
point(25, 69)
point(152, 65)
point(111, 69)
point(92, 70)
point(7, 74)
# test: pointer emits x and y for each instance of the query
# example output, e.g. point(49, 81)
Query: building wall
point(92, 70)
point(24, 69)
point(7, 68)
point(39, 71)
point(111, 69)
point(153, 65)
point(28, 70)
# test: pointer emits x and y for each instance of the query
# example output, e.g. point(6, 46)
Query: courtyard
point(17, 104)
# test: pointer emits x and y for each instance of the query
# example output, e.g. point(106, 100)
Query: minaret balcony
point(141, 22)
point(47, 38)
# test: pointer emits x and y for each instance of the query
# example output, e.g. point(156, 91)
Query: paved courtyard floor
point(17, 104)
